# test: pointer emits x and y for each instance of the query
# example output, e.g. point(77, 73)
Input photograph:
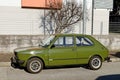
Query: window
point(59, 41)
point(64, 42)
point(83, 41)
point(69, 41)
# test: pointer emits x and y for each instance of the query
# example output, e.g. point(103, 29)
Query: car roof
point(71, 35)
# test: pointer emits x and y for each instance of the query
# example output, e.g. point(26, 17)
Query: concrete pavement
point(108, 71)
point(5, 64)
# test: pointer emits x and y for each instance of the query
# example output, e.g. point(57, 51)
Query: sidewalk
point(5, 58)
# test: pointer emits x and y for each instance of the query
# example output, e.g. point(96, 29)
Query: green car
point(61, 50)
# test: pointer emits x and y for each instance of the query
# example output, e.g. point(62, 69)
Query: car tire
point(95, 63)
point(34, 65)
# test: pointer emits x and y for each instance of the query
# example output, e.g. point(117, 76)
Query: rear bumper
point(16, 62)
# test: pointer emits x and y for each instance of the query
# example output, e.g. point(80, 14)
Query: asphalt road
point(109, 71)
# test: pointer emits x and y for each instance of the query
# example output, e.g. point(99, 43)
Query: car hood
point(28, 48)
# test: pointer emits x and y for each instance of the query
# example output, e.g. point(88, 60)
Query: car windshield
point(47, 40)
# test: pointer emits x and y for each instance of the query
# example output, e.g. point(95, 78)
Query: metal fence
point(114, 27)
point(114, 24)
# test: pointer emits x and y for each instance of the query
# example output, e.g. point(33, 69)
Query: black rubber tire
point(95, 63)
point(34, 65)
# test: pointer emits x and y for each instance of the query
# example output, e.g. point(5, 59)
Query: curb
point(5, 64)
point(115, 59)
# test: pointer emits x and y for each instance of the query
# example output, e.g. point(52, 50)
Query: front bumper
point(16, 62)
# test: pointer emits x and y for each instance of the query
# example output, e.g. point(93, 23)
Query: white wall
point(18, 21)
point(101, 22)
point(10, 3)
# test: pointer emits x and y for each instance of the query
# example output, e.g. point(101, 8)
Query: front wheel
point(95, 63)
point(34, 65)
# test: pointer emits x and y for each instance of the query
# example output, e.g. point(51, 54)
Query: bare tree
point(60, 19)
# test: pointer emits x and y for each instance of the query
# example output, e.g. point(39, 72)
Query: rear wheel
point(95, 63)
point(34, 65)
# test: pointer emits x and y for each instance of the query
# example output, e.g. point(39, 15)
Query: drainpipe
point(84, 17)
point(92, 22)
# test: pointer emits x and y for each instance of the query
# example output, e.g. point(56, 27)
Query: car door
point(63, 51)
point(85, 48)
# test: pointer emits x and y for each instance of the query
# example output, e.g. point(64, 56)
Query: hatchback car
point(61, 50)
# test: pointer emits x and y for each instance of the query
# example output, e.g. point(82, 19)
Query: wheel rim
point(96, 63)
point(35, 66)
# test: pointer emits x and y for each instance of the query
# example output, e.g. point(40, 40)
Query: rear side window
point(83, 41)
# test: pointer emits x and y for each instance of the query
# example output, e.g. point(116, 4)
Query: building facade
point(15, 20)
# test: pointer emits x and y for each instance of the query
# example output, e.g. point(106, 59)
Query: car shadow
point(117, 54)
point(54, 67)
point(109, 77)
point(67, 67)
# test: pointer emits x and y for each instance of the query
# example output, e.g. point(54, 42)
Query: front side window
point(59, 41)
point(69, 41)
point(47, 41)
point(64, 42)
point(83, 41)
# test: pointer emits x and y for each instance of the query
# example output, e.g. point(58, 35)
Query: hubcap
point(35, 66)
point(96, 63)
